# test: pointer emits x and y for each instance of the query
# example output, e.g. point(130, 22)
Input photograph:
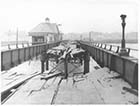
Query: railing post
point(117, 49)
point(105, 46)
point(101, 45)
point(22, 45)
point(110, 48)
point(128, 51)
point(16, 45)
point(9, 46)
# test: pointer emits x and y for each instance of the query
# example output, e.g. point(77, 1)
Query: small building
point(45, 32)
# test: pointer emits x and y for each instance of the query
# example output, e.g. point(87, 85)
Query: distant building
point(45, 32)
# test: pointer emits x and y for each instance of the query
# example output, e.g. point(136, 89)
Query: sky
point(73, 15)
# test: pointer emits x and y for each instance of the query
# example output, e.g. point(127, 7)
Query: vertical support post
point(36, 51)
point(11, 53)
point(2, 61)
point(29, 56)
point(19, 56)
point(47, 62)
point(86, 62)
point(124, 69)
point(66, 66)
point(24, 54)
point(42, 66)
point(81, 61)
point(42, 59)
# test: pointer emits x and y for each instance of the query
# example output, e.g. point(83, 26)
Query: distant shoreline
point(116, 41)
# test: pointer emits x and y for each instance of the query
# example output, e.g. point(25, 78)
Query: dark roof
point(44, 28)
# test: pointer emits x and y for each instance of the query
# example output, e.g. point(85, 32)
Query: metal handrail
point(99, 45)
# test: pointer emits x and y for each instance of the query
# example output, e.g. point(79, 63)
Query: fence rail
point(13, 57)
point(126, 66)
point(15, 45)
point(113, 48)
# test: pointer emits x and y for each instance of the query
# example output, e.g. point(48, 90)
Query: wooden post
point(42, 66)
point(24, 54)
point(86, 62)
point(66, 67)
point(11, 53)
point(47, 63)
point(2, 61)
point(19, 61)
point(42, 59)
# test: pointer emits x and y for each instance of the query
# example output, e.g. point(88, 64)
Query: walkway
point(100, 86)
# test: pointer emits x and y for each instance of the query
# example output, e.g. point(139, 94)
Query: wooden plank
point(35, 91)
point(51, 76)
point(11, 86)
point(80, 92)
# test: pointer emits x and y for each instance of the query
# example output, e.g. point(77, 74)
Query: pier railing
point(113, 48)
point(13, 57)
point(126, 66)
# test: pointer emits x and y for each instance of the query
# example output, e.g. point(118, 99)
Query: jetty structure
point(68, 72)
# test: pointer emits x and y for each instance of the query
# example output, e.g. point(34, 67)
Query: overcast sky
point(74, 15)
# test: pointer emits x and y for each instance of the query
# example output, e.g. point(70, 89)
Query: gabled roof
point(44, 28)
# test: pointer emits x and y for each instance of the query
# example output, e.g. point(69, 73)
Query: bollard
point(86, 62)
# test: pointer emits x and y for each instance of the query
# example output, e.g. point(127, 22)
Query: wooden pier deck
point(99, 86)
